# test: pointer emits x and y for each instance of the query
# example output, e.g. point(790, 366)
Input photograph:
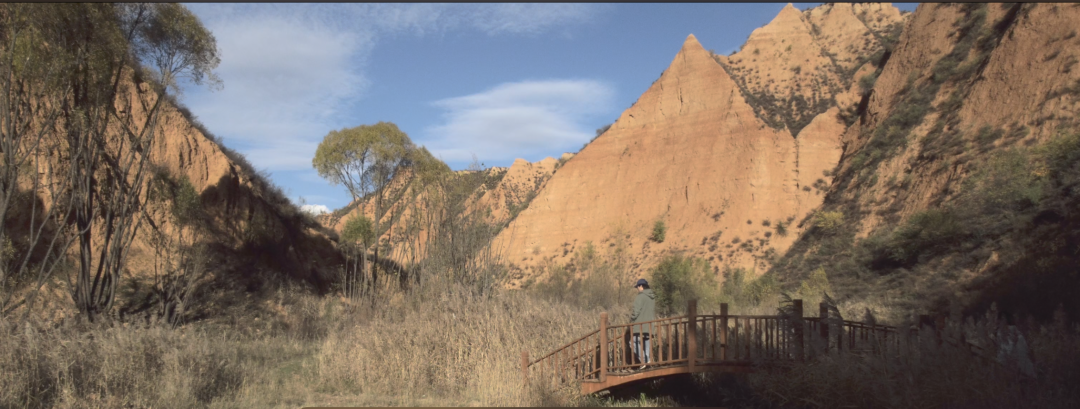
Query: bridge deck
point(619, 378)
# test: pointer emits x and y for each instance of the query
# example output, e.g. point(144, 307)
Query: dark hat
point(641, 282)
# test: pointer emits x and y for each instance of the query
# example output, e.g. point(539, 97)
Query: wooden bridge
point(704, 343)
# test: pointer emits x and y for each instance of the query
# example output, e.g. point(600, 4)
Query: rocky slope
point(494, 196)
point(802, 63)
point(943, 186)
point(253, 236)
point(690, 153)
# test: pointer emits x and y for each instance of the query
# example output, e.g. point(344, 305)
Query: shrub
point(828, 222)
point(678, 279)
point(601, 130)
point(866, 83)
point(781, 229)
point(930, 230)
point(764, 288)
point(815, 285)
point(734, 283)
point(658, 232)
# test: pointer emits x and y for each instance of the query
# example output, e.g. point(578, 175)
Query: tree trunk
point(374, 266)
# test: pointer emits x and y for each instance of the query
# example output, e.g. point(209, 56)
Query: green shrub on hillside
point(828, 222)
point(658, 232)
point(734, 283)
point(763, 288)
point(678, 279)
point(866, 83)
point(815, 285)
point(740, 291)
point(930, 230)
point(587, 280)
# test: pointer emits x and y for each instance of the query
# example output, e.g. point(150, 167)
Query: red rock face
point(690, 153)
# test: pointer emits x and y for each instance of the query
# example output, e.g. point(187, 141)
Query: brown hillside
point(690, 153)
point(802, 63)
point(498, 194)
point(966, 86)
point(516, 189)
point(256, 239)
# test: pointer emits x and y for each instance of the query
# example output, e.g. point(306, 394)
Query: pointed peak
point(789, 11)
point(691, 42)
point(787, 16)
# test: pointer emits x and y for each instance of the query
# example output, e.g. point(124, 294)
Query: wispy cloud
point(520, 119)
point(291, 71)
point(315, 209)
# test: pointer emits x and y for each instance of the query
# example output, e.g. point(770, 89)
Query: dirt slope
point(802, 63)
point(965, 85)
point(496, 195)
point(255, 237)
point(690, 153)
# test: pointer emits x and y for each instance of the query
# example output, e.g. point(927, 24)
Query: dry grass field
point(445, 345)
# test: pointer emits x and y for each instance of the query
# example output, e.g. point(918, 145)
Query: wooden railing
point(700, 341)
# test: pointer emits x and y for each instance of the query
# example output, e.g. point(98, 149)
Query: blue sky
point(492, 82)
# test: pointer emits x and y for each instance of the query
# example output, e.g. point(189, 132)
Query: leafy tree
point(366, 159)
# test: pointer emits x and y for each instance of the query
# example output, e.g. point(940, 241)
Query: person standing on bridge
point(644, 311)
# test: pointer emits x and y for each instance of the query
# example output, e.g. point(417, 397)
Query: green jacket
point(644, 310)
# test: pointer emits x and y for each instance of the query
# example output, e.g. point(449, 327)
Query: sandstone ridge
point(691, 153)
point(965, 86)
point(802, 63)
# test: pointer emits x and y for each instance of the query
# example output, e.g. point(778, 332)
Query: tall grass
point(443, 344)
point(434, 346)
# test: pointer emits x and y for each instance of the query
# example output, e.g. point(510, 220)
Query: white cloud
point(520, 119)
point(290, 70)
point(315, 209)
point(527, 18)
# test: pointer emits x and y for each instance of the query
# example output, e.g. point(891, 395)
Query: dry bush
point(116, 366)
point(448, 343)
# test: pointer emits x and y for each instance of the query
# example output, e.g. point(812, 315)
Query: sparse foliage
point(659, 231)
point(678, 279)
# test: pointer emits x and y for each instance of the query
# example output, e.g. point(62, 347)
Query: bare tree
point(177, 223)
point(32, 92)
point(108, 145)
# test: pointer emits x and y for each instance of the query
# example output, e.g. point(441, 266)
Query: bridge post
point(603, 347)
point(691, 334)
point(798, 326)
point(823, 324)
point(723, 331)
point(525, 366)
